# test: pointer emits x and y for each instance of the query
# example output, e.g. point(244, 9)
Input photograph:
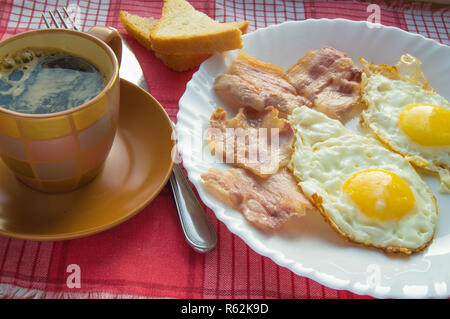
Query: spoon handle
point(196, 226)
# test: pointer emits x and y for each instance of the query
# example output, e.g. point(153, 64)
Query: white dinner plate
point(308, 246)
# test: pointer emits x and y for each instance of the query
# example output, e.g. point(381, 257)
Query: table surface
point(147, 256)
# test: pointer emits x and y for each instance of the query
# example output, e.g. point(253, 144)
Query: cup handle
point(110, 36)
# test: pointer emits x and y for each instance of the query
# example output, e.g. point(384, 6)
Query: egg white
point(385, 99)
point(327, 154)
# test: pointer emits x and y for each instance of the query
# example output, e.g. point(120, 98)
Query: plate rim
point(277, 257)
point(123, 218)
point(343, 20)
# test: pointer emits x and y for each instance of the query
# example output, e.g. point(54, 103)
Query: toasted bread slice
point(183, 29)
point(140, 27)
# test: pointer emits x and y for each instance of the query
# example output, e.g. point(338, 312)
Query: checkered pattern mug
point(61, 151)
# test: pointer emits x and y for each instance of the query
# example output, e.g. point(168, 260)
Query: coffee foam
point(28, 87)
point(24, 57)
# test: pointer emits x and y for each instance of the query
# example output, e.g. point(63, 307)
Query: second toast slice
point(183, 29)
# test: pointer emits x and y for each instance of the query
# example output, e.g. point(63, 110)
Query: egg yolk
point(380, 194)
point(426, 124)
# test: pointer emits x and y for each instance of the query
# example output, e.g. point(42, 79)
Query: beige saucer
point(134, 173)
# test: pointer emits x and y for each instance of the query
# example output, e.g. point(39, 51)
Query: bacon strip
point(267, 203)
point(328, 78)
point(255, 84)
point(258, 141)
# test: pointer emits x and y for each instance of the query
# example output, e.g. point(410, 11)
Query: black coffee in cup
point(40, 81)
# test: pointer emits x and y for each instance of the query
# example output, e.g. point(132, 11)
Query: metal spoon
point(195, 224)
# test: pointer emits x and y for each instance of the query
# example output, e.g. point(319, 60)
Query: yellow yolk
point(426, 124)
point(380, 194)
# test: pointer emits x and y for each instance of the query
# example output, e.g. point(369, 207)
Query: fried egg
point(366, 192)
point(407, 115)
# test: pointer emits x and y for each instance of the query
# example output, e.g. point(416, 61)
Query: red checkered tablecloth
point(147, 256)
